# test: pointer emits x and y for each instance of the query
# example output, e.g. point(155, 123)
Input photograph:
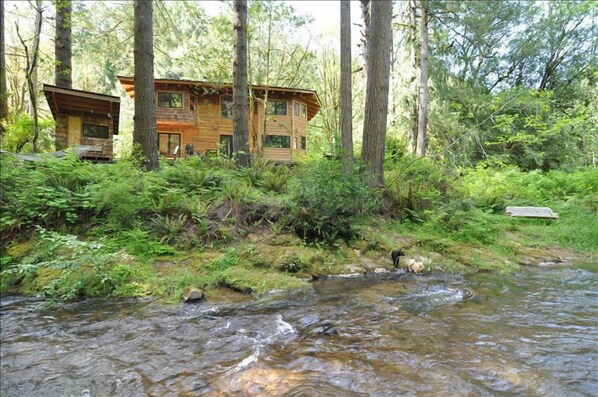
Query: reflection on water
point(534, 333)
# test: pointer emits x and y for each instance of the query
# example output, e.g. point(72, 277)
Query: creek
point(534, 333)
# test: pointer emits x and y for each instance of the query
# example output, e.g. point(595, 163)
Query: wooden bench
point(531, 212)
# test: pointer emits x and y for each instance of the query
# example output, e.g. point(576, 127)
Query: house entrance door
point(74, 131)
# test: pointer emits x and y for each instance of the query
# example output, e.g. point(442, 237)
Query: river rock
point(192, 295)
point(327, 328)
point(380, 270)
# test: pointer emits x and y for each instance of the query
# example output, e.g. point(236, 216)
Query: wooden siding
point(278, 155)
point(176, 115)
point(204, 127)
point(66, 138)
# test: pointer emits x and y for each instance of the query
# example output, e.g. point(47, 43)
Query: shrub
point(123, 195)
point(466, 223)
point(324, 201)
point(49, 193)
point(416, 186)
point(496, 188)
point(168, 227)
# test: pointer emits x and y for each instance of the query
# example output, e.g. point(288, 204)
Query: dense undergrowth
point(72, 229)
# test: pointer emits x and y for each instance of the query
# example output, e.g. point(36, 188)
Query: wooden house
point(196, 118)
point(86, 120)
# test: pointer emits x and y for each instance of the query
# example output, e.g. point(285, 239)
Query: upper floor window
point(226, 106)
point(170, 100)
point(95, 131)
point(277, 107)
point(299, 109)
point(193, 104)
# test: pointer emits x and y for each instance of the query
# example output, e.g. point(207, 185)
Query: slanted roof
point(63, 100)
point(310, 97)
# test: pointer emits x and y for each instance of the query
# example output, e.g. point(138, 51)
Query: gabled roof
point(67, 99)
point(310, 97)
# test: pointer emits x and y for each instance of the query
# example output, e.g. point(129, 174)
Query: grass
point(73, 230)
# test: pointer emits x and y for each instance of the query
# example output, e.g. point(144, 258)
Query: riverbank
point(265, 261)
point(73, 230)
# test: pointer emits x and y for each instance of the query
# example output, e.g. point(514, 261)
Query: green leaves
point(325, 201)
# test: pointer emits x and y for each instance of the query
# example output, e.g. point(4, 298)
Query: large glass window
point(278, 108)
point(170, 100)
point(167, 143)
point(95, 131)
point(226, 106)
point(278, 141)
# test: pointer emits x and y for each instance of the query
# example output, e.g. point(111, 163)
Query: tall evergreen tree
point(365, 34)
point(144, 133)
point(423, 84)
point(413, 60)
point(3, 91)
point(62, 44)
point(346, 98)
point(379, 45)
point(240, 88)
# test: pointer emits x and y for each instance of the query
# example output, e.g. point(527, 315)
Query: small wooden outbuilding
point(86, 120)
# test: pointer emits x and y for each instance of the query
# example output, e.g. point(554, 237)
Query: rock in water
point(191, 295)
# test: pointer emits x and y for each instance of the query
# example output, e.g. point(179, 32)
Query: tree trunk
point(365, 33)
point(346, 100)
point(144, 134)
point(266, 88)
point(377, 87)
point(240, 94)
point(423, 84)
point(62, 44)
point(413, 110)
point(31, 72)
point(3, 90)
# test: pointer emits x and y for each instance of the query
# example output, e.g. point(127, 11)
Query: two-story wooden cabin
point(196, 117)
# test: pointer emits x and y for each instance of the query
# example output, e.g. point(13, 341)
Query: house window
point(303, 143)
point(299, 109)
point(170, 100)
point(95, 131)
point(226, 106)
point(193, 103)
point(226, 145)
point(168, 142)
point(278, 142)
point(278, 108)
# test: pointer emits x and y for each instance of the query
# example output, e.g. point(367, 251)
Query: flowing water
point(532, 334)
